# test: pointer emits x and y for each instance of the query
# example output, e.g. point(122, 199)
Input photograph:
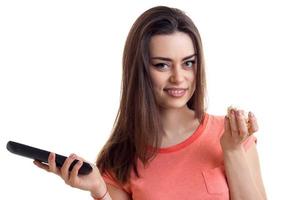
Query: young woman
point(163, 144)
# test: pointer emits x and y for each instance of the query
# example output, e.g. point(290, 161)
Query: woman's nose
point(177, 75)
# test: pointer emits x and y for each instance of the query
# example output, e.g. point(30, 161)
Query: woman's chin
point(174, 105)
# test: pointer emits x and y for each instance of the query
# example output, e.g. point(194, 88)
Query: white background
point(60, 73)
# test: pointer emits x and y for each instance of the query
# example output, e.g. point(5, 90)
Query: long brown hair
point(137, 125)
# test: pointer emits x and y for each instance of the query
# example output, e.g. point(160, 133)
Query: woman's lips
point(176, 92)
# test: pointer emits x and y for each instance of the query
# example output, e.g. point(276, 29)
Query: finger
point(41, 165)
point(80, 158)
point(84, 160)
point(242, 126)
point(73, 181)
point(253, 126)
point(65, 168)
point(233, 124)
point(52, 164)
point(227, 125)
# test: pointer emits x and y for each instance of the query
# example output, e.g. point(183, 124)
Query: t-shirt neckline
point(187, 141)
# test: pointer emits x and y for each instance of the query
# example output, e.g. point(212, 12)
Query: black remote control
point(42, 156)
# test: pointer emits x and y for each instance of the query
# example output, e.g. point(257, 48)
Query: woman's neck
point(177, 122)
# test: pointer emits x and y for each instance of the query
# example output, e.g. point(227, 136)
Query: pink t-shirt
point(192, 169)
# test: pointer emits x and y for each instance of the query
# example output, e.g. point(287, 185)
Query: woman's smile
point(176, 92)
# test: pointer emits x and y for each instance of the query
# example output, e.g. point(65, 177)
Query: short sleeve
point(249, 142)
point(110, 179)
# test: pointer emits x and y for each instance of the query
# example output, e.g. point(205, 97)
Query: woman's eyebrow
point(169, 59)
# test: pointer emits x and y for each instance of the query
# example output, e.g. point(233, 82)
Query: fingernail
point(232, 111)
point(243, 112)
point(251, 114)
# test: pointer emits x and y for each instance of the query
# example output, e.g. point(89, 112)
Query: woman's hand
point(237, 129)
point(92, 182)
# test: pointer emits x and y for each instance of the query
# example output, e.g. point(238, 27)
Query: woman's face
point(172, 69)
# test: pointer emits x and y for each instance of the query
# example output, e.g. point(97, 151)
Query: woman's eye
point(190, 63)
point(161, 66)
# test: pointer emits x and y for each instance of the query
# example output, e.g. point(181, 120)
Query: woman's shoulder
point(215, 126)
point(215, 120)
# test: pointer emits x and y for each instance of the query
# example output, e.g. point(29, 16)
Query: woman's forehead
point(175, 45)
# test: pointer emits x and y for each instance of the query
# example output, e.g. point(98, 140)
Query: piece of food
point(244, 116)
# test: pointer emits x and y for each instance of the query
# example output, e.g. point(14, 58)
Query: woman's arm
point(92, 182)
point(113, 193)
point(116, 193)
point(241, 167)
point(253, 161)
point(243, 174)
